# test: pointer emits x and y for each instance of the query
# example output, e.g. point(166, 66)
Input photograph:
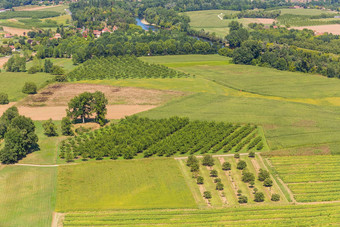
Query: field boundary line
point(36, 165)
point(214, 156)
point(220, 16)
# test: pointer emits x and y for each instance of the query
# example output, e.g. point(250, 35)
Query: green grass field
point(27, 195)
point(310, 12)
point(310, 178)
point(65, 63)
point(322, 214)
point(135, 184)
point(12, 83)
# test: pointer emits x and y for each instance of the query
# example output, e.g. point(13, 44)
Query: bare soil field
point(15, 31)
point(330, 28)
point(3, 60)
point(58, 112)
point(60, 94)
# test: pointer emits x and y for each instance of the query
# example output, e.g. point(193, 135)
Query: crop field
point(132, 184)
point(310, 178)
point(309, 12)
point(321, 214)
point(27, 195)
point(12, 83)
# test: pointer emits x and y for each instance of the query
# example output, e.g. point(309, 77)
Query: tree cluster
point(19, 136)
point(16, 64)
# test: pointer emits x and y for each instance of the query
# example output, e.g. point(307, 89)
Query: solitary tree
point(243, 199)
point(268, 182)
point(219, 186)
point(213, 173)
point(207, 195)
point(191, 160)
point(48, 66)
point(200, 180)
point(248, 177)
point(29, 88)
point(50, 129)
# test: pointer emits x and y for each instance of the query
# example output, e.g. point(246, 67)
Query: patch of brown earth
point(330, 28)
point(58, 112)
point(3, 60)
point(34, 8)
point(61, 94)
point(15, 31)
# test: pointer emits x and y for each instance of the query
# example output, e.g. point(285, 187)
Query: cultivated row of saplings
point(247, 177)
point(162, 137)
point(123, 67)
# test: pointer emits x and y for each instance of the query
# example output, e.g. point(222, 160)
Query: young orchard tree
point(259, 197)
point(200, 180)
point(66, 127)
point(50, 129)
point(213, 173)
point(243, 199)
point(275, 197)
point(217, 180)
point(192, 160)
point(248, 177)
point(241, 165)
point(251, 154)
point(236, 155)
point(226, 166)
point(207, 195)
point(268, 182)
point(263, 174)
point(194, 167)
point(219, 186)
point(208, 160)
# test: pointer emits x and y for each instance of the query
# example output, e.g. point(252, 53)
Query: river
point(145, 27)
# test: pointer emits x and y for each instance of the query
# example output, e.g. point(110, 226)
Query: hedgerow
point(164, 137)
point(121, 68)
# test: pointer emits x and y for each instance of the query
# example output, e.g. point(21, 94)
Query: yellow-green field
point(135, 184)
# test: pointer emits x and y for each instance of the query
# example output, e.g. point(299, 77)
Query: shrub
point(60, 78)
point(236, 155)
point(275, 197)
point(33, 70)
point(263, 174)
point(248, 177)
point(49, 128)
point(200, 180)
point(219, 186)
point(243, 199)
point(239, 192)
point(268, 182)
point(226, 166)
point(213, 173)
point(207, 195)
point(57, 70)
point(66, 127)
point(194, 167)
point(259, 197)
point(3, 99)
point(30, 88)
point(251, 154)
point(241, 165)
point(217, 180)
point(208, 160)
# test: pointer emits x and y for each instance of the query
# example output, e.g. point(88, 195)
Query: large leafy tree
point(86, 104)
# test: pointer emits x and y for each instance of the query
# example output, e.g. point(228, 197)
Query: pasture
point(302, 11)
point(310, 178)
point(126, 184)
point(27, 195)
point(292, 215)
point(12, 83)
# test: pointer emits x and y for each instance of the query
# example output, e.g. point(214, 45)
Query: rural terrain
point(106, 123)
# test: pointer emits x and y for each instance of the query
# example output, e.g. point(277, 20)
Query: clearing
point(124, 184)
point(16, 31)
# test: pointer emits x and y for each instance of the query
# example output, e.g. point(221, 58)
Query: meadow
point(27, 195)
point(292, 215)
point(65, 63)
point(310, 178)
point(12, 83)
point(134, 184)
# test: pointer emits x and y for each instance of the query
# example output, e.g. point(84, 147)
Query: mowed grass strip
point(125, 184)
point(289, 215)
point(310, 178)
point(27, 195)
